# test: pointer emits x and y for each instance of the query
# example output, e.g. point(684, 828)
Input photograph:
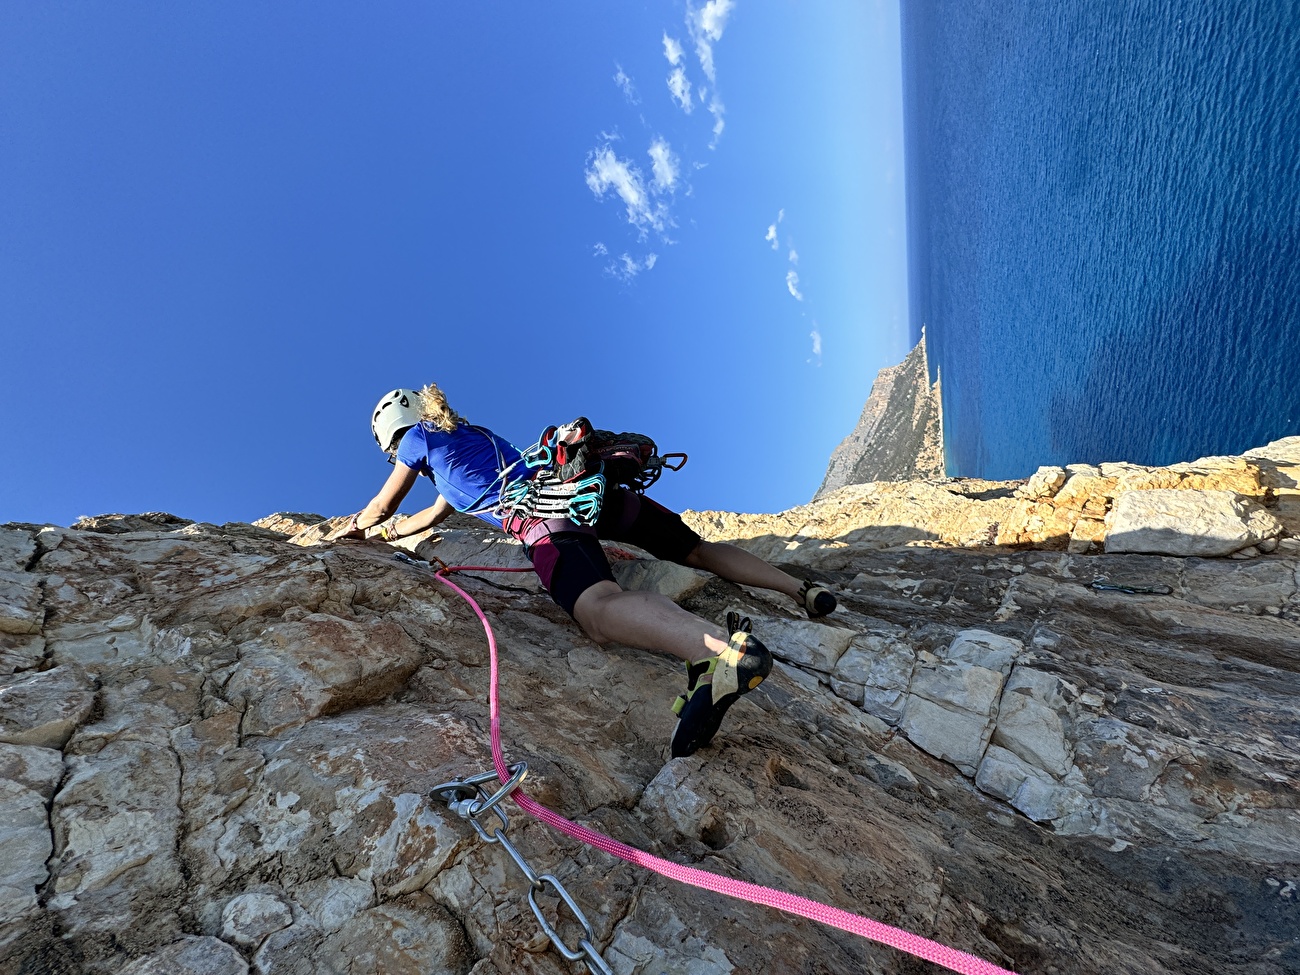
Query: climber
point(470, 466)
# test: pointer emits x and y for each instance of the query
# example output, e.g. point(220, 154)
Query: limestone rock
point(191, 956)
point(321, 664)
point(116, 821)
point(333, 901)
point(120, 524)
point(807, 643)
point(25, 845)
point(411, 936)
point(1045, 482)
point(866, 516)
point(250, 919)
point(953, 699)
point(1031, 721)
point(1007, 776)
point(875, 672)
point(289, 523)
point(21, 611)
point(32, 767)
point(1187, 523)
point(19, 653)
point(17, 547)
point(650, 575)
point(43, 709)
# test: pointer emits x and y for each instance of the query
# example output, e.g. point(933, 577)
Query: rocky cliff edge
point(899, 436)
point(217, 743)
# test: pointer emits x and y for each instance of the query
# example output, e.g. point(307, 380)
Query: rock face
point(218, 744)
point(899, 436)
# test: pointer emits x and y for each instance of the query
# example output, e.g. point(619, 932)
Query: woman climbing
point(471, 467)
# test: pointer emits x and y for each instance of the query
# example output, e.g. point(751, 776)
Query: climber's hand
point(348, 530)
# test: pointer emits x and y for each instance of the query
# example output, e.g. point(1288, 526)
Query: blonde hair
point(434, 409)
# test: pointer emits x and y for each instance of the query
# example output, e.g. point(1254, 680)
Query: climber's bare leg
point(647, 620)
point(736, 565)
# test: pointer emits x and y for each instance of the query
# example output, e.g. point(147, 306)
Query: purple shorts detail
point(570, 563)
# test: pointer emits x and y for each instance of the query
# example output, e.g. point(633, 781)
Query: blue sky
point(227, 228)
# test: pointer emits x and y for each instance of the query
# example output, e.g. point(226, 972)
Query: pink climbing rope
point(949, 958)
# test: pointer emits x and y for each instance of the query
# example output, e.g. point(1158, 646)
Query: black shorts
point(570, 563)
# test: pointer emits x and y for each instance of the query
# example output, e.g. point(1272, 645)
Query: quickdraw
point(469, 799)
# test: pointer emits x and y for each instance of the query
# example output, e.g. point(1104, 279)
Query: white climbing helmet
point(396, 411)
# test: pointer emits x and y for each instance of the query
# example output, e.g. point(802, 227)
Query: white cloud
point(706, 25)
point(816, 337)
point(625, 83)
point(666, 166)
point(716, 109)
point(627, 267)
point(605, 172)
point(600, 250)
point(672, 49)
point(713, 18)
point(794, 256)
point(680, 89)
point(770, 236)
point(780, 215)
point(792, 283)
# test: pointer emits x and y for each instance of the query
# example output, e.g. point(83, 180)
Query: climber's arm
point(423, 520)
point(383, 504)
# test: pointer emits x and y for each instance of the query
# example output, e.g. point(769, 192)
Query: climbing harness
point(467, 794)
point(1102, 584)
point(571, 465)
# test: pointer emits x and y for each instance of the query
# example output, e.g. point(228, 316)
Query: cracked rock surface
point(218, 744)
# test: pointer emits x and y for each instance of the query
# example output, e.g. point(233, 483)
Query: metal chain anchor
point(470, 800)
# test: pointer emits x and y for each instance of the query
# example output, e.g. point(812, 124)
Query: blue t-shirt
point(465, 464)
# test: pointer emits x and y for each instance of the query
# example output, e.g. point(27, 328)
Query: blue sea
point(1104, 226)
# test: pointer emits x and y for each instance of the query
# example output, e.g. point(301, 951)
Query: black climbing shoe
point(816, 599)
point(736, 671)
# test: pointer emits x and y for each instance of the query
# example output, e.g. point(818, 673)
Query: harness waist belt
point(532, 534)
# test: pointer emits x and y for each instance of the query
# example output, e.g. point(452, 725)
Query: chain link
point(469, 799)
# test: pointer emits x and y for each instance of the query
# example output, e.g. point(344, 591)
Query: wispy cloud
point(626, 267)
point(706, 25)
point(600, 250)
point(606, 172)
point(792, 283)
point(770, 236)
point(816, 337)
point(625, 84)
point(717, 110)
point(794, 256)
point(680, 88)
point(672, 49)
point(678, 84)
point(666, 166)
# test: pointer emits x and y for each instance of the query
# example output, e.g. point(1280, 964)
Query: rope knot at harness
point(474, 800)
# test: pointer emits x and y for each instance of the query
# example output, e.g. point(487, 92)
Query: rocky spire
point(899, 436)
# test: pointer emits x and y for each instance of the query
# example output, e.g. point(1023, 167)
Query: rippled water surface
point(1104, 227)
